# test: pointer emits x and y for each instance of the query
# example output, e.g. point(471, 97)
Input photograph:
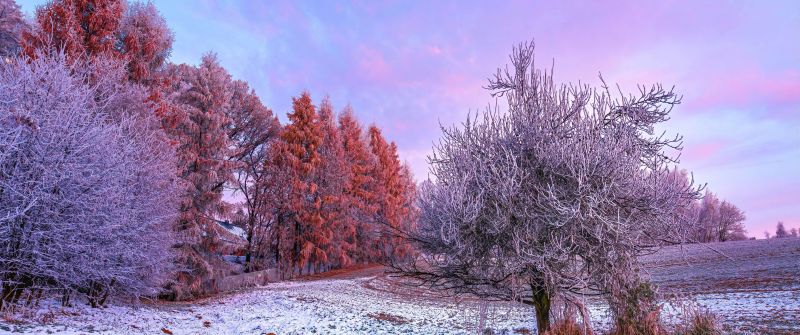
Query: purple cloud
point(407, 66)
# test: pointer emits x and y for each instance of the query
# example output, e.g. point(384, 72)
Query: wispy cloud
point(409, 65)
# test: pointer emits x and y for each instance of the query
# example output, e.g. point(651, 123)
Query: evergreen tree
point(297, 159)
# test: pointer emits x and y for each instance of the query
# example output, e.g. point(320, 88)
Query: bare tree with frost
point(554, 198)
point(87, 186)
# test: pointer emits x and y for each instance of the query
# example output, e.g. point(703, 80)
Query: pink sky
point(410, 65)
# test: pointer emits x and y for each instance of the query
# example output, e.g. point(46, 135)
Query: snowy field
point(329, 306)
point(752, 285)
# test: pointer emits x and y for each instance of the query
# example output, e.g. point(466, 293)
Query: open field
point(752, 285)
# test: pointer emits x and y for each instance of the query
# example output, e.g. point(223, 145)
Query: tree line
point(710, 219)
point(114, 163)
point(782, 232)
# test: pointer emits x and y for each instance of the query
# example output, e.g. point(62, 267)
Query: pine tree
point(297, 159)
point(358, 191)
point(195, 118)
point(391, 192)
point(12, 24)
point(333, 176)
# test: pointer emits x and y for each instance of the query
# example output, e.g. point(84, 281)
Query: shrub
point(86, 182)
point(638, 312)
point(700, 322)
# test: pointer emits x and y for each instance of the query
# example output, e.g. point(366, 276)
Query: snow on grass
point(332, 306)
point(751, 285)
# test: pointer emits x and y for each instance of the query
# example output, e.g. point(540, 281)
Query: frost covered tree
point(393, 193)
point(711, 219)
point(731, 223)
point(197, 120)
point(135, 34)
point(332, 178)
point(252, 130)
point(296, 161)
point(554, 198)
point(87, 188)
point(358, 191)
point(780, 230)
point(12, 24)
point(708, 218)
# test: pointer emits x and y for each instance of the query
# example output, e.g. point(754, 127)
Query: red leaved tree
point(198, 103)
point(146, 41)
point(12, 23)
point(393, 191)
point(79, 27)
point(333, 176)
point(358, 191)
point(135, 34)
point(297, 160)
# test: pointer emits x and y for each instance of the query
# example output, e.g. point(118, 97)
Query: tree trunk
point(5, 296)
point(541, 302)
point(251, 226)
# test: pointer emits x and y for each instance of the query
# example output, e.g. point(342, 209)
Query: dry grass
point(700, 322)
point(565, 327)
point(391, 318)
point(650, 324)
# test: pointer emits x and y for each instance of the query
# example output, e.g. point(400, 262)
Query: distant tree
point(794, 232)
point(709, 218)
point(12, 24)
point(87, 187)
point(780, 231)
point(712, 220)
point(766, 234)
point(731, 223)
point(555, 197)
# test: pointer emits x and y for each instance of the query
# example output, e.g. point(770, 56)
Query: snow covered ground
point(752, 285)
point(331, 306)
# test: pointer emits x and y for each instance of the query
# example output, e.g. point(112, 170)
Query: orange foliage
point(81, 27)
point(297, 158)
point(393, 192)
point(358, 189)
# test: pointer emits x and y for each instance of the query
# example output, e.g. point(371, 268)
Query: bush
point(700, 322)
point(638, 312)
point(87, 183)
